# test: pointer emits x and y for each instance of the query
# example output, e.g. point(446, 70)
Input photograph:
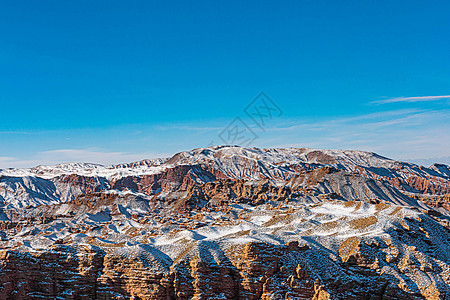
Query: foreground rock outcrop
point(259, 271)
point(277, 250)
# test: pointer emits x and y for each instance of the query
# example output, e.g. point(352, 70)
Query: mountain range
point(228, 222)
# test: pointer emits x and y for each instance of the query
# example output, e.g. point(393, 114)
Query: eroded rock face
point(173, 179)
point(257, 271)
point(53, 184)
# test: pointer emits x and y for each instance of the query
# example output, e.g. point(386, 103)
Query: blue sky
point(115, 81)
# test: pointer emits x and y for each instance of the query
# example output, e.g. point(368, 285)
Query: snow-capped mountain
point(60, 183)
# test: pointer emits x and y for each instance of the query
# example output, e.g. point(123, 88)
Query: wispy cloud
point(399, 134)
point(412, 99)
point(188, 127)
point(21, 132)
point(430, 161)
point(6, 159)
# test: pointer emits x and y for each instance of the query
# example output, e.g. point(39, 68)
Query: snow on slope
point(88, 169)
point(41, 185)
point(232, 160)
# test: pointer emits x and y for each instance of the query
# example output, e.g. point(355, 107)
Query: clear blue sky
point(116, 81)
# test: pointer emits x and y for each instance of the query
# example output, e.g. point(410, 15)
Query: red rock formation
point(172, 179)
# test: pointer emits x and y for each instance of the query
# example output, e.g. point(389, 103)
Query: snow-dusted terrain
point(52, 184)
point(291, 223)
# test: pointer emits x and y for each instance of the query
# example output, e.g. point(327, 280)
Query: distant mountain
point(60, 183)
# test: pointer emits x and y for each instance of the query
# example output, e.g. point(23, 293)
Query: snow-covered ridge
point(221, 156)
point(51, 184)
point(145, 167)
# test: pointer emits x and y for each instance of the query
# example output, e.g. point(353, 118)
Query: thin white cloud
point(21, 132)
point(188, 127)
point(378, 119)
point(429, 161)
point(6, 159)
point(412, 99)
point(14, 162)
point(399, 134)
